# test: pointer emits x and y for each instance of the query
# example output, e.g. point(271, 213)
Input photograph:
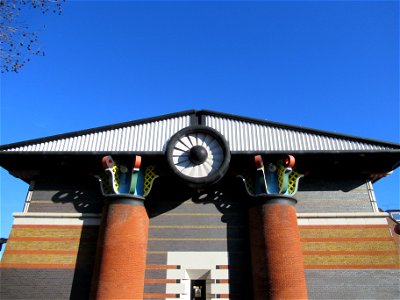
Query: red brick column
point(277, 259)
point(123, 249)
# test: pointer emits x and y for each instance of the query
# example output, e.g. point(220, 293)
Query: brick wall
point(341, 261)
point(349, 247)
point(48, 262)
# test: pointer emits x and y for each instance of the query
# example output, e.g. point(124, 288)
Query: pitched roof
point(244, 135)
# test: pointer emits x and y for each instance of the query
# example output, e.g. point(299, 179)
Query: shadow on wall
point(226, 200)
point(85, 200)
point(234, 214)
point(166, 195)
point(82, 280)
point(172, 194)
point(88, 200)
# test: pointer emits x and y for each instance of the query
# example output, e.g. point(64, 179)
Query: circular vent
point(198, 154)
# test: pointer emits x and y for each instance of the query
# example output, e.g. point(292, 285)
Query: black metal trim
point(73, 153)
point(301, 152)
point(194, 119)
point(125, 199)
point(272, 199)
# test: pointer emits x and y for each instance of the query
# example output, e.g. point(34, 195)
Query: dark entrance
point(198, 290)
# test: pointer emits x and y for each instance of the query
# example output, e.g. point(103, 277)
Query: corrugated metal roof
point(146, 137)
point(245, 135)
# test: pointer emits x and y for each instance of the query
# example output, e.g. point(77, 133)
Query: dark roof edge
point(96, 129)
point(297, 128)
point(294, 152)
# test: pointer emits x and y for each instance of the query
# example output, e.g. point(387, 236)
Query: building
point(200, 205)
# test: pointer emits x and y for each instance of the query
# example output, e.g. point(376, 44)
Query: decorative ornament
point(119, 179)
point(278, 178)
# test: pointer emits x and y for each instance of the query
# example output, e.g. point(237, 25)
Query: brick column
point(123, 249)
point(276, 254)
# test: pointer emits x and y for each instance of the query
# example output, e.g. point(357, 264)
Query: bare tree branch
point(17, 42)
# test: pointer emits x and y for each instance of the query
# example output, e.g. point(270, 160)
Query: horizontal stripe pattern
point(50, 246)
point(351, 260)
point(335, 246)
point(348, 247)
point(36, 266)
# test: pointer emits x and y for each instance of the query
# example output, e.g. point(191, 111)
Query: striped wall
point(324, 247)
point(206, 240)
point(217, 225)
point(50, 246)
point(47, 261)
point(201, 236)
point(349, 247)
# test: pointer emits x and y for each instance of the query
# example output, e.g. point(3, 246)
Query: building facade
point(200, 205)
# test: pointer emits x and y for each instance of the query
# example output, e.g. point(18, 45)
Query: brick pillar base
point(277, 260)
point(123, 249)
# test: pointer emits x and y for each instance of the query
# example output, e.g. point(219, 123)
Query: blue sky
point(327, 65)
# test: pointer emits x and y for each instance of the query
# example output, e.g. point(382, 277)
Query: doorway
point(198, 290)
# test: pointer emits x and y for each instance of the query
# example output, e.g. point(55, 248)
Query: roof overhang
point(317, 152)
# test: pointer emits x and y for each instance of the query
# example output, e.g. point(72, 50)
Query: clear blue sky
point(327, 65)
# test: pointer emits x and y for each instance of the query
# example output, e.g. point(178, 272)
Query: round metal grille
point(199, 155)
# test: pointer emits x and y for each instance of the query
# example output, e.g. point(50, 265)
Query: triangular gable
point(244, 135)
